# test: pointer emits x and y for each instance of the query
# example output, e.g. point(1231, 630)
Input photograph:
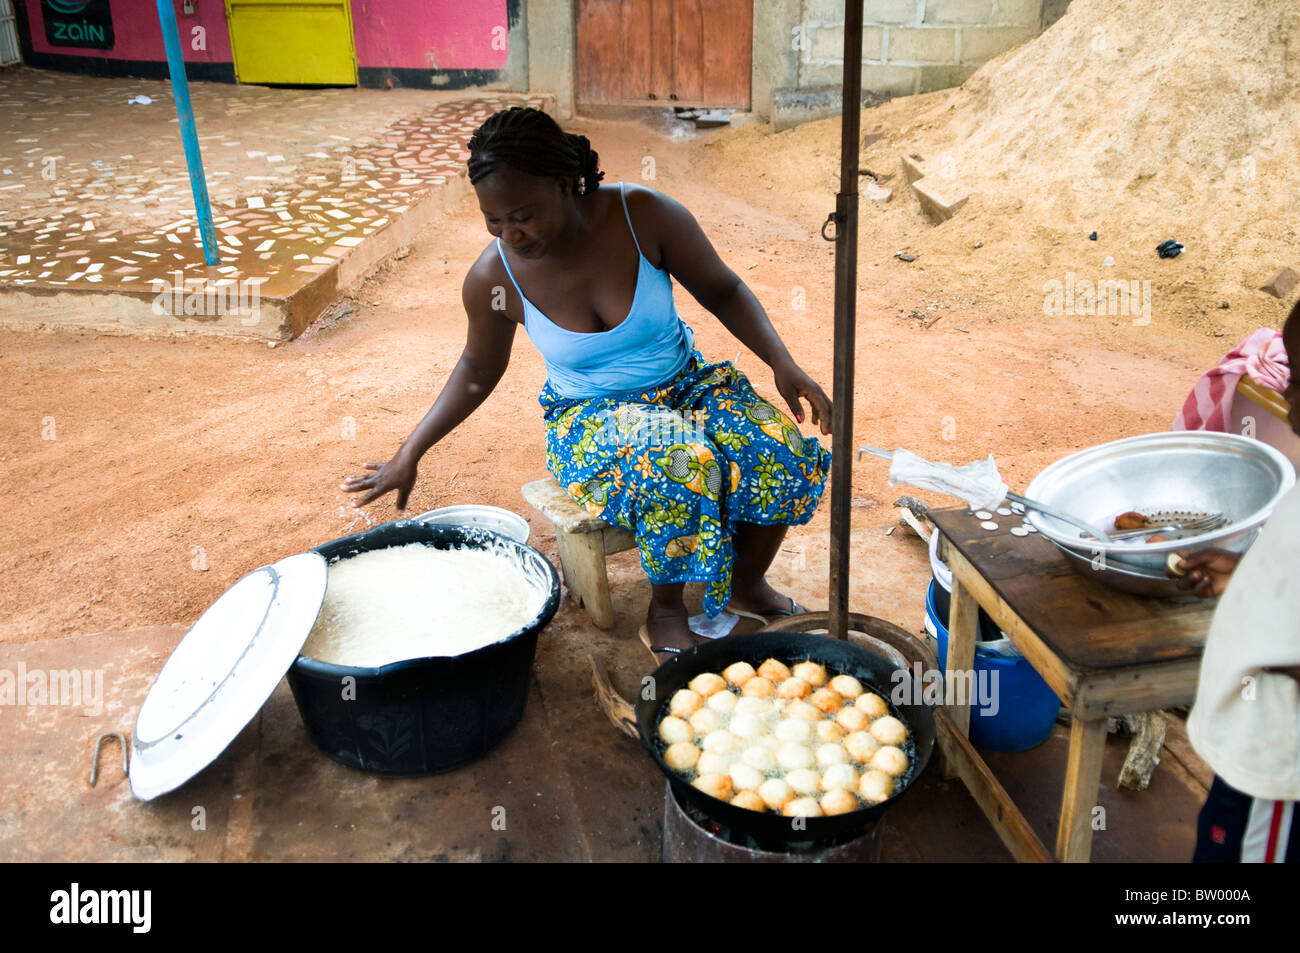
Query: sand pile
point(1140, 121)
point(1184, 103)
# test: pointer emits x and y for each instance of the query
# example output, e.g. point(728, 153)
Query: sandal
point(771, 615)
point(656, 650)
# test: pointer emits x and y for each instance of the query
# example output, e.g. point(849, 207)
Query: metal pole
point(846, 286)
point(189, 135)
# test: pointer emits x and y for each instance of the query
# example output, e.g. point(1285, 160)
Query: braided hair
point(531, 141)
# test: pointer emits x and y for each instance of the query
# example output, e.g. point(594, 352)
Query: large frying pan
point(873, 668)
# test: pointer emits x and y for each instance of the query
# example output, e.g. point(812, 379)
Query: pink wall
point(430, 34)
point(412, 34)
point(137, 36)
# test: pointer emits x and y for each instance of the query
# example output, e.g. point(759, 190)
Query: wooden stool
point(584, 541)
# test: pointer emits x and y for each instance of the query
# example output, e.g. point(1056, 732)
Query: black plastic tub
point(420, 716)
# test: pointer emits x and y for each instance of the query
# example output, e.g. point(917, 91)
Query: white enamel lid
point(223, 672)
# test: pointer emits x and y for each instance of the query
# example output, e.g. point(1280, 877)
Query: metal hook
point(831, 219)
point(94, 762)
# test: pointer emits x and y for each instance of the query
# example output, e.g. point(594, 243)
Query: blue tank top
point(649, 347)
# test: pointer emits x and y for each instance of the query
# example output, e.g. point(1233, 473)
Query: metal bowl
point(1114, 574)
point(492, 518)
point(1187, 471)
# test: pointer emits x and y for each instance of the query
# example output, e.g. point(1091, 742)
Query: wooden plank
point(636, 80)
point(1010, 825)
point(582, 556)
point(963, 628)
point(1088, 625)
point(728, 28)
point(1082, 782)
point(1047, 663)
point(660, 40)
point(1137, 688)
point(688, 51)
point(597, 40)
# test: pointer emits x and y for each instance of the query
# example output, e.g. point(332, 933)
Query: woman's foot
point(762, 601)
point(666, 624)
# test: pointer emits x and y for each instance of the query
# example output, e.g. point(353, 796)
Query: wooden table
point(1104, 652)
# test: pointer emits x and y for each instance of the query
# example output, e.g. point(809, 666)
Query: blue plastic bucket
point(1012, 708)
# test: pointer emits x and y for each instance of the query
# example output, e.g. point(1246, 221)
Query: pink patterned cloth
point(1261, 357)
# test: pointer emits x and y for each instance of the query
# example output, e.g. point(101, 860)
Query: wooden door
point(667, 52)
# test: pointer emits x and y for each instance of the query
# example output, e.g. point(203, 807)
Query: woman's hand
point(1206, 573)
point(793, 384)
point(397, 474)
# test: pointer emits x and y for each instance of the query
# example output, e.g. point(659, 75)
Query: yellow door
point(292, 41)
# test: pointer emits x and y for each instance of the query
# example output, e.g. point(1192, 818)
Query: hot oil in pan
point(908, 746)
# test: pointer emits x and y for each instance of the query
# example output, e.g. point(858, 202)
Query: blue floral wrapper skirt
point(681, 464)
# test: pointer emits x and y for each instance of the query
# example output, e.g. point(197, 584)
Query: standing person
point(640, 429)
point(1245, 722)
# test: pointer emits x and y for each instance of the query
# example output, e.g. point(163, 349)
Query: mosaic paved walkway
point(95, 195)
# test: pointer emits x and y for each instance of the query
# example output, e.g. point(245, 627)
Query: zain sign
point(83, 23)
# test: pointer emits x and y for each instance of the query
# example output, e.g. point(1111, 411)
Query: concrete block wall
point(911, 46)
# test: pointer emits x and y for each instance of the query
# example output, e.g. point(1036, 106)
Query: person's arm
point(689, 256)
point(481, 366)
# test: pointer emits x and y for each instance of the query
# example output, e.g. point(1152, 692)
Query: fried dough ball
point(722, 702)
point(802, 807)
point(714, 785)
point(852, 719)
point(829, 731)
point(749, 800)
point(1130, 520)
point(774, 670)
point(753, 706)
point(872, 704)
point(705, 720)
point(811, 672)
point(846, 685)
point(838, 802)
point(794, 688)
point(793, 755)
point(745, 778)
point(713, 763)
point(794, 729)
point(888, 730)
point(840, 777)
point(681, 756)
point(801, 709)
point(829, 754)
point(685, 703)
point(758, 687)
point(758, 758)
point(861, 746)
point(673, 730)
point(719, 742)
point(738, 673)
point(825, 701)
point(775, 793)
point(876, 786)
point(890, 760)
point(804, 781)
point(745, 726)
point(707, 684)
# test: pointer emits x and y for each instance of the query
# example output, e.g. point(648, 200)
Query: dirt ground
point(151, 473)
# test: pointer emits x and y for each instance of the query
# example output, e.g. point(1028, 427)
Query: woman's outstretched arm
point(481, 366)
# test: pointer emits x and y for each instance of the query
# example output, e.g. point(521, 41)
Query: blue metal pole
point(189, 134)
